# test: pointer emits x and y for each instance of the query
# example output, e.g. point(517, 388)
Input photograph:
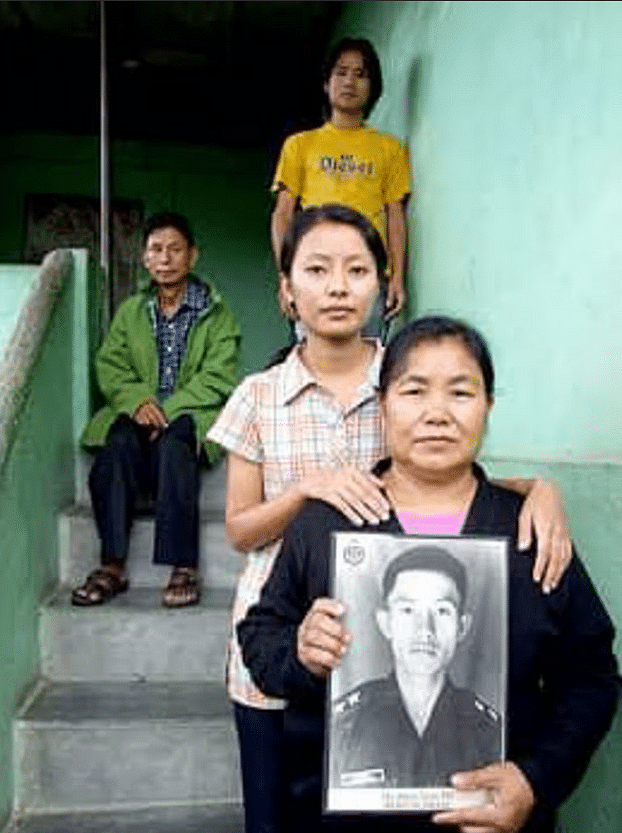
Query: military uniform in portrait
point(377, 745)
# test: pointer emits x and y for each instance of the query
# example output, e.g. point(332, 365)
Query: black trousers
point(260, 736)
point(167, 470)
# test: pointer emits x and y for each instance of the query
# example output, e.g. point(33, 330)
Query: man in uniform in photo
point(415, 728)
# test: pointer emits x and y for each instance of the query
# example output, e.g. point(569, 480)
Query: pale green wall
point(35, 482)
point(14, 284)
point(593, 496)
point(511, 112)
point(223, 192)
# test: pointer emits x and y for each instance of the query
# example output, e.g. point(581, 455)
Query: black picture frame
point(375, 759)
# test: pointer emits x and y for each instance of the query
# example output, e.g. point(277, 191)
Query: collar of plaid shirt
point(296, 377)
point(196, 294)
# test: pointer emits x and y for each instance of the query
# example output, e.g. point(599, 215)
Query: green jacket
point(126, 366)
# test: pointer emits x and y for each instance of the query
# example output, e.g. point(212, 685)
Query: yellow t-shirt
point(361, 167)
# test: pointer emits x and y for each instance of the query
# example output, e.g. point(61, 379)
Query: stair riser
point(79, 553)
point(98, 644)
point(91, 766)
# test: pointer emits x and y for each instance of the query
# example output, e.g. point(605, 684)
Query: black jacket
point(562, 686)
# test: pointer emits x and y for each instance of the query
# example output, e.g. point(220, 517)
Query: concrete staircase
point(129, 729)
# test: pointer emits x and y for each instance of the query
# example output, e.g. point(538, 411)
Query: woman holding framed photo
point(436, 393)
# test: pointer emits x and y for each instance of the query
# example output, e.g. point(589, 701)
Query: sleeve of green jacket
point(204, 386)
point(124, 383)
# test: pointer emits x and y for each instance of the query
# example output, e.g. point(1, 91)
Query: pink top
point(416, 524)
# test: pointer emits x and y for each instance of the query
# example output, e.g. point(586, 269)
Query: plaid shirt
point(171, 333)
point(286, 421)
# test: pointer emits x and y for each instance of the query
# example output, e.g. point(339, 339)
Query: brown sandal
point(100, 586)
point(182, 589)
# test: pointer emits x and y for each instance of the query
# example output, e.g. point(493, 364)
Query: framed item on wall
point(55, 221)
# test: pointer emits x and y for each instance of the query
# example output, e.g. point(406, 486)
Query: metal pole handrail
point(104, 152)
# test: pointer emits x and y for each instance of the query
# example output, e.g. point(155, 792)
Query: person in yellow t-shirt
point(346, 161)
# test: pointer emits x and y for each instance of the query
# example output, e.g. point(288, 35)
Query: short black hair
point(435, 328)
point(168, 219)
point(371, 62)
point(307, 219)
point(426, 557)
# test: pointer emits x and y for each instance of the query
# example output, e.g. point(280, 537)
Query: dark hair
point(332, 213)
point(435, 328)
point(370, 62)
point(168, 219)
point(426, 557)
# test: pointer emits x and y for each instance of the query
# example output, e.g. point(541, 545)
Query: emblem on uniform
point(347, 702)
point(354, 553)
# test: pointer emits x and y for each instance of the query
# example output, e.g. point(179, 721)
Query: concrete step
point(132, 637)
point(213, 483)
point(112, 746)
point(201, 819)
point(79, 550)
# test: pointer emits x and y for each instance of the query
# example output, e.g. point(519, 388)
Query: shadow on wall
point(413, 93)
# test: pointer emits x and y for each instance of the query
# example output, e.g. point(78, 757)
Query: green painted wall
point(223, 192)
point(593, 495)
point(511, 112)
point(35, 482)
point(15, 281)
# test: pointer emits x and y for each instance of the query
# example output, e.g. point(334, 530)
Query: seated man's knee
point(123, 438)
point(180, 432)
point(123, 432)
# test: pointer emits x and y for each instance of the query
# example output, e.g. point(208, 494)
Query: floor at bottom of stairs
point(180, 819)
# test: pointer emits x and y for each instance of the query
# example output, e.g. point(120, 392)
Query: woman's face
point(333, 281)
point(435, 411)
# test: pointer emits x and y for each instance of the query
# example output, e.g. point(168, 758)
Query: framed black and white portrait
point(421, 691)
